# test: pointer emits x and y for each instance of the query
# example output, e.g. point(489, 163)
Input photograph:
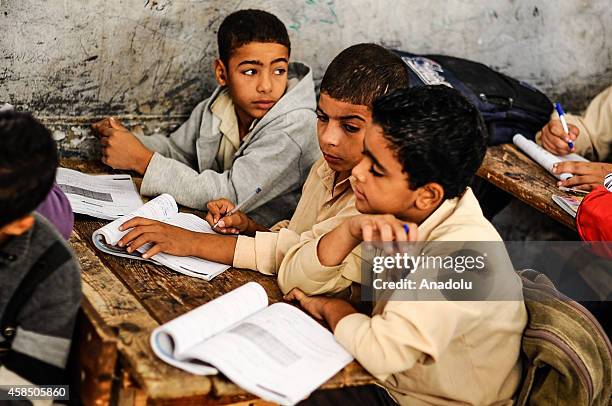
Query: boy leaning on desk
point(257, 128)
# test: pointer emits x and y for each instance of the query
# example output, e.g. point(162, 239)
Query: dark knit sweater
point(44, 324)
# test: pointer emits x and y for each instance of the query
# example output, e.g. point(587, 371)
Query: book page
point(543, 157)
point(280, 354)
point(161, 207)
point(191, 266)
point(103, 196)
point(172, 340)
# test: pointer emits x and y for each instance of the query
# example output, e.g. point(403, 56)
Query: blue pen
point(564, 123)
point(406, 228)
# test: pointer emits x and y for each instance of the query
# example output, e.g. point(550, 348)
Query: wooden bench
point(124, 300)
point(514, 172)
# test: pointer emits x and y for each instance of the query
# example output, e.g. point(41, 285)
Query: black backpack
point(507, 105)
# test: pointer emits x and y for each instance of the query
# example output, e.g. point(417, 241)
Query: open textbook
point(103, 196)
point(163, 208)
point(543, 157)
point(276, 352)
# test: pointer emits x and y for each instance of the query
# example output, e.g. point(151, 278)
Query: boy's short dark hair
point(437, 134)
point(28, 162)
point(244, 26)
point(363, 72)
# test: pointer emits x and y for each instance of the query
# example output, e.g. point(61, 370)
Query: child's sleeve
point(181, 144)
point(41, 345)
point(595, 139)
point(272, 162)
point(406, 332)
point(301, 267)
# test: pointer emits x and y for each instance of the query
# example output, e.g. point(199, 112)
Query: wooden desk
point(514, 172)
point(124, 300)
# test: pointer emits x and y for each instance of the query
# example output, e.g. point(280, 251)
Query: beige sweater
point(321, 208)
point(443, 352)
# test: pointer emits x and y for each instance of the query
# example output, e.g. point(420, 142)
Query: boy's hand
point(234, 224)
point(555, 140)
point(385, 228)
point(587, 175)
point(120, 148)
point(330, 309)
point(164, 237)
point(314, 305)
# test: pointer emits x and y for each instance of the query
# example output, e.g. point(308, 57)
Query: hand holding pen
point(558, 136)
point(226, 218)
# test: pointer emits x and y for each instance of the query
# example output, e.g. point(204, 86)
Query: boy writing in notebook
point(352, 81)
point(40, 282)
point(412, 185)
point(591, 134)
point(256, 130)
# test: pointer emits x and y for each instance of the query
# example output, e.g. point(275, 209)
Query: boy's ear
point(19, 226)
point(220, 72)
point(430, 196)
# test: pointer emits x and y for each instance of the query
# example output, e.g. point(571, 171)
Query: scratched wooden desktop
point(514, 172)
point(123, 301)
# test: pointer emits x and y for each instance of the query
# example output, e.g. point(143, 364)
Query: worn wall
point(152, 58)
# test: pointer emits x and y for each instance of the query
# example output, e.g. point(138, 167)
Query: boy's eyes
point(252, 71)
point(375, 172)
point(322, 117)
point(350, 128)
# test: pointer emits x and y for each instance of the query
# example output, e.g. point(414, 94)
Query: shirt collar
point(328, 175)
point(223, 108)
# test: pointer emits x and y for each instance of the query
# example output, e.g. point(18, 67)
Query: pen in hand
point(239, 207)
point(564, 124)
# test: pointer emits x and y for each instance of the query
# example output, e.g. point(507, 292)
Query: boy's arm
point(181, 144)
point(45, 325)
point(176, 241)
point(271, 162)
point(595, 126)
point(302, 267)
point(329, 263)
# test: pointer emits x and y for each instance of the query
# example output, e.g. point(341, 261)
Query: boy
point(39, 277)
point(256, 130)
point(56, 207)
point(592, 134)
point(352, 81)
point(419, 157)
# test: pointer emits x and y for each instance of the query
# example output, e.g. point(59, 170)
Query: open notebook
point(543, 157)
point(276, 352)
point(163, 208)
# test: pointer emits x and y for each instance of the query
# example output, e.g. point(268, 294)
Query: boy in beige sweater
point(419, 157)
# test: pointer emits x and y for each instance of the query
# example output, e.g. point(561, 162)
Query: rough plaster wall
point(152, 58)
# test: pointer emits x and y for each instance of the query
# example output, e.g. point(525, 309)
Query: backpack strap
point(49, 261)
